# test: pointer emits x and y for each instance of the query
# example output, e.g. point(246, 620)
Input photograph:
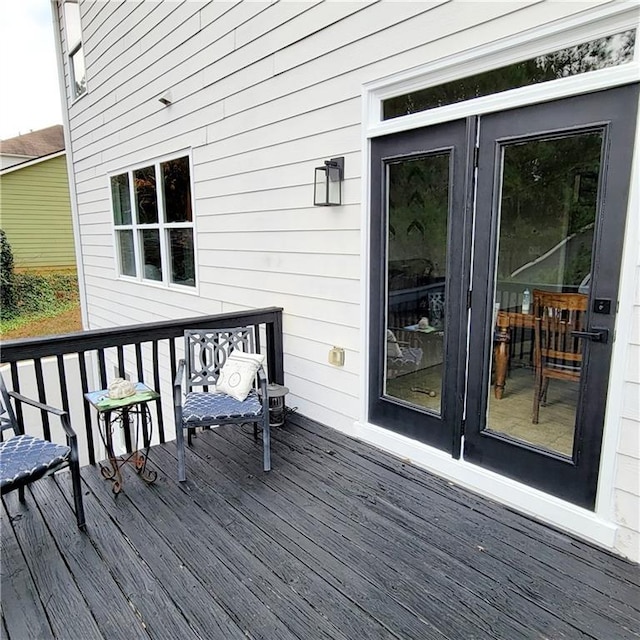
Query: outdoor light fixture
point(277, 409)
point(166, 99)
point(328, 183)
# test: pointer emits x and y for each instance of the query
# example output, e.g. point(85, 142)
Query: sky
point(30, 95)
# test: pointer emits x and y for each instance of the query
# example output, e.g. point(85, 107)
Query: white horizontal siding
point(628, 518)
point(322, 242)
point(262, 93)
point(631, 406)
point(140, 107)
point(318, 288)
point(314, 352)
point(327, 265)
point(331, 411)
point(253, 295)
point(308, 148)
point(285, 220)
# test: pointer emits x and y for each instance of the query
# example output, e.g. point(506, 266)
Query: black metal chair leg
point(21, 494)
point(182, 472)
point(77, 494)
point(266, 444)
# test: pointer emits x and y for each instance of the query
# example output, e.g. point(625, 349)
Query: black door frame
point(614, 112)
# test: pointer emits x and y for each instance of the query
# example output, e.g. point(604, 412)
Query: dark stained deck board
point(472, 567)
point(193, 592)
point(22, 610)
point(70, 616)
point(478, 532)
point(531, 531)
point(311, 580)
point(290, 577)
point(114, 616)
point(340, 540)
point(386, 561)
point(200, 534)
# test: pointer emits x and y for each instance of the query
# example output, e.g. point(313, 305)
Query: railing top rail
point(31, 348)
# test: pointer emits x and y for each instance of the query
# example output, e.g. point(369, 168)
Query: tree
point(7, 280)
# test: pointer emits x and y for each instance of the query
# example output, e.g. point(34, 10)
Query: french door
point(474, 224)
point(420, 204)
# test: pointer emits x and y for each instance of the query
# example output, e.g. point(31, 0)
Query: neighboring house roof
point(30, 162)
point(35, 144)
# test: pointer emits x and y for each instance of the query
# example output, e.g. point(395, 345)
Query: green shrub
point(44, 293)
point(8, 308)
point(65, 287)
point(34, 293)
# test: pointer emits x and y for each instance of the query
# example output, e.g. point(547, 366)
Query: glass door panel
point(418, 208)
point(546, 219)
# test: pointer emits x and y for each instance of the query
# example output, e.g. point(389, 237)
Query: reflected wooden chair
point(25, 458)
point(557, 354)
point(217, 383)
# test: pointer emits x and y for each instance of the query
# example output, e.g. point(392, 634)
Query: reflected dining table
point(506, 320)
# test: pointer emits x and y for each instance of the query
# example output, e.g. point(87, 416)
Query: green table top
point(102, 402)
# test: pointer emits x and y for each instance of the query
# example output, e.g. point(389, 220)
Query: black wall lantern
point(328, 183)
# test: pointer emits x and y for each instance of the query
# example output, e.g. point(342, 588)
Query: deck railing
point(59, 370)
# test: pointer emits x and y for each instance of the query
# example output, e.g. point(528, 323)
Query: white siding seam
point(147, 34)
point(315, 134)
point(250, 130)
point(164, 70)
point(87, 6)
point(311, 157)
point(272, 271)
point(358, 41)
point(137, 315)
point(286, 94)
point(306, 296)
point(125, 24)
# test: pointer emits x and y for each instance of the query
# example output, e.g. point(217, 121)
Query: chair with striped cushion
point(25, 458)
point(221, 380)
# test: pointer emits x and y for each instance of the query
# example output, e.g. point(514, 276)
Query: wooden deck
point(340, 541)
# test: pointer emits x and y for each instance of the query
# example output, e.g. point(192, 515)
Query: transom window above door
point(153, 222)
point(601, 53)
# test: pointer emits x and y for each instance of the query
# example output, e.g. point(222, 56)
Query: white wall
point(262, 93)
point(626, 481)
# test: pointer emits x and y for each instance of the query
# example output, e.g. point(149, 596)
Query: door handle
point(596, 335)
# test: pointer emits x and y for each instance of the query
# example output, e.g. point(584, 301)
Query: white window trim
point(598, 526)
point(72, 49)
point(165, 283)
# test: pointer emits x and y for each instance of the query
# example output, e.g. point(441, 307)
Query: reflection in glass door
point(547, 212)
point(418, 208)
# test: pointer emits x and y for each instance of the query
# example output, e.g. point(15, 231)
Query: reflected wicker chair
point(198, 399)
point(556, 353)
point(25, 458)
point(402, 356)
